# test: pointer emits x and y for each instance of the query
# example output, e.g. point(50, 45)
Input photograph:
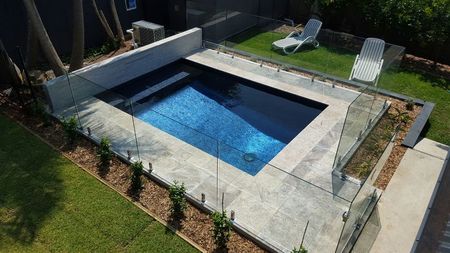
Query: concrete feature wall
point(112, 72)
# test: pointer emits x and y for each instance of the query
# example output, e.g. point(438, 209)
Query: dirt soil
point(119, 51)
point(399, 150)
point(196, 224)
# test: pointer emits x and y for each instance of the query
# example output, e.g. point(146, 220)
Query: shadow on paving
point(29, 190)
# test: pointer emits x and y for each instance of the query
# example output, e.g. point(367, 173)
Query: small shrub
point(70, 128)
point(176, 195)
point(104, 152)
point(136, 172)
point(301, 249)
point(401, 117)
point(222, 229)
point(410, 104)
point(107, 47)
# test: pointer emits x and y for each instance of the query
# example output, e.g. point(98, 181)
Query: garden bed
point(394, 123)
point(196, 225)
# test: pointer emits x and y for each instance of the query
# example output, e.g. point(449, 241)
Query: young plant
point(104, 152)
point(70, 129)
point(301, 249)
point(176, 195)
point(364, 169)
point(410, 104)
point(221, 229)
point(136, 172)
point(401, 117)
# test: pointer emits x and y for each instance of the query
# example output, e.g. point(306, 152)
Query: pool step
point(157, 87)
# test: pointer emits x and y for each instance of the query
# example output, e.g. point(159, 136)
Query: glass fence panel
point(171, 140)
point(355, 125)
point(356, 217)
point(279, 207)
point(228, 170)
point(105, 114)
point(333, 55)
point(62, 100)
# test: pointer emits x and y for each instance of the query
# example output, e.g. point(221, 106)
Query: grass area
point(339, 62)
point(48, 204)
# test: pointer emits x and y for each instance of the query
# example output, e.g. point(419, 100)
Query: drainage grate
point(249, 157)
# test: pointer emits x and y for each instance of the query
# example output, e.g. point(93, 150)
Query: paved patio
point(275, 204)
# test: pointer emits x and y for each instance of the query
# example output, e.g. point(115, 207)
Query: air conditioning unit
point(145, 32)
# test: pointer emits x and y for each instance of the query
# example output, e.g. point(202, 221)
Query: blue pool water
point(242, 123)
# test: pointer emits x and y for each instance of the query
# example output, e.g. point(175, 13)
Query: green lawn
point(339, 62)
point(48, 204)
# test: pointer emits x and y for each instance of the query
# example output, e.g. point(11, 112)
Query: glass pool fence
point(207, 172)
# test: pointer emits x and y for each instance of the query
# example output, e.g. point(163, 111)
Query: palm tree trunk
point(118, 25)
point(43, 38)
point(77, 57)
point(103, 21)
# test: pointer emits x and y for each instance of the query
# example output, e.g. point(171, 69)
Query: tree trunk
point(118, 25)
point(32, 53)
point(43, 38)
point(9, 73)
point(315, 10)
point(103, 21)
point(77, 57)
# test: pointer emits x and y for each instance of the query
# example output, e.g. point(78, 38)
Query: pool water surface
point(242, 123)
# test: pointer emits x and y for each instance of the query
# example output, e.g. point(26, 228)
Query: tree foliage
point(421, 24)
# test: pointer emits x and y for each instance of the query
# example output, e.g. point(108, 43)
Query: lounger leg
point(316, 44)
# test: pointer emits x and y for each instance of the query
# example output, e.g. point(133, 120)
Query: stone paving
point(403, 205)
point(276, 204)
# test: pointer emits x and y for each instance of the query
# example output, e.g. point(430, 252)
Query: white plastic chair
point(368, 63)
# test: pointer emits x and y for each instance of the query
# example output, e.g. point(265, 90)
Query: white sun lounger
point(368, 63)
point(296, 40)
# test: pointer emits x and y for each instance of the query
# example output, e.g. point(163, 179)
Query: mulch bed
point(398, 151)
point(370, 151)
point(196, 224)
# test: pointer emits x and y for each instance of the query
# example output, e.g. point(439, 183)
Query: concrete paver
point(403, 204)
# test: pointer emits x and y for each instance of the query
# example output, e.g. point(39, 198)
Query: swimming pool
point(241, 122)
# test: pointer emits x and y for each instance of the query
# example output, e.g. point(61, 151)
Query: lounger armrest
point(354, 66)
point(292, 34)
point(380, 65)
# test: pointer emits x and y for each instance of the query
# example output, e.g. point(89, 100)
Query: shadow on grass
point(30, 183)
